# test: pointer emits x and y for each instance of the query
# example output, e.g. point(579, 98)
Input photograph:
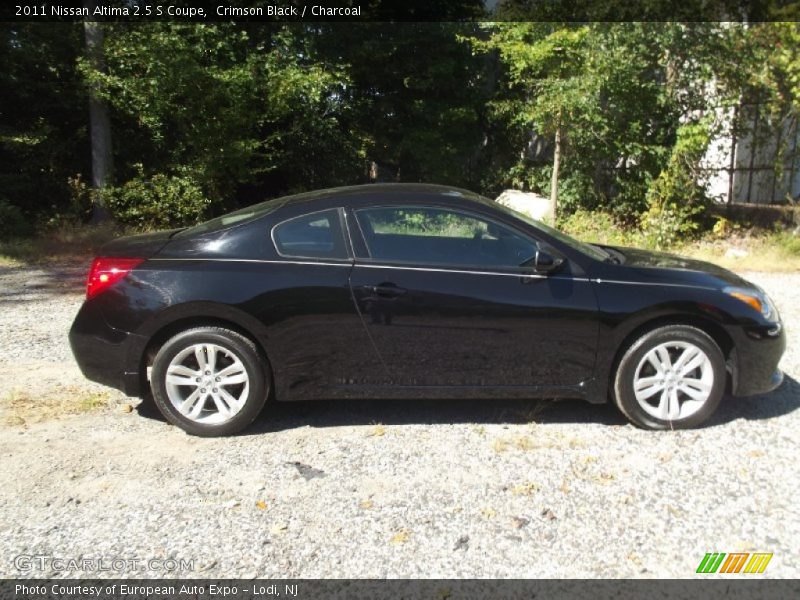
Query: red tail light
point(105, 272)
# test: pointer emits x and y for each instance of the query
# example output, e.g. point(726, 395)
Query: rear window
point(314, 235)
point(232, 218)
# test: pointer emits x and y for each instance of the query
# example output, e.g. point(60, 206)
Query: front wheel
point(672, 377)
point(209, 381)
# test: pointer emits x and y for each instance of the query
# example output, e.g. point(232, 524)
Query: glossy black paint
point(357, 327)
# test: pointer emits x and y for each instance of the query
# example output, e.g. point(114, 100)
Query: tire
point(675, 390)
point(209, 381)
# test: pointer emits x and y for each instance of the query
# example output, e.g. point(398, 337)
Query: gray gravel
point(397, 489)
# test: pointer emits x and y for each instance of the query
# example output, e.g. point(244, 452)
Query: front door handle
point(386, 290)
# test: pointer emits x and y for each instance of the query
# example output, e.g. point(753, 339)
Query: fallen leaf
point(401, 537)
point(208, 565)
point(366, 504)
point(261, 505)
point(377, 431)
point(126, 408)
point(462, 543)
point(524, 443)
point(500, 445)
point(489, 513)
point(524, 489)
point(308, 472)
point(519, 522)
point(279, 528)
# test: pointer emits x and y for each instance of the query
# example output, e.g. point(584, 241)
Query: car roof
point(375, 189)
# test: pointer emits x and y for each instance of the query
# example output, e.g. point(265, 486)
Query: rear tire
point(209, 381)
point(671, 377)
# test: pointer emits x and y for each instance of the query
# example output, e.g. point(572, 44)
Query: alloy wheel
point(207, 383)
point(673, 380)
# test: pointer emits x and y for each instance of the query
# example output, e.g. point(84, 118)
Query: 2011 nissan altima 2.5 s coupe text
point(414, 291)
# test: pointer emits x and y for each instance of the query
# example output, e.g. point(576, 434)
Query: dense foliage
point(207, 117)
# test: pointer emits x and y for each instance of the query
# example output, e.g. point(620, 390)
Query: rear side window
point(315, 235)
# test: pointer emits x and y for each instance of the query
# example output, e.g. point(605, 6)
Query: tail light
point(105, 272)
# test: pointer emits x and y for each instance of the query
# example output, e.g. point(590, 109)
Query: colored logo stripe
point(758, 563)
point(713, 562)
point(734, 562)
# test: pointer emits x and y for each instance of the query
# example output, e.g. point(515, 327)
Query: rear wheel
point(209, 381)
point(672, 377)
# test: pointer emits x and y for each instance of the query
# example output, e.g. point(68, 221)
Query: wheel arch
point(186, 317)
point(707, 325)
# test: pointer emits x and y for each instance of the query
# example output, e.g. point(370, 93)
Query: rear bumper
point(103, 353)
point(758, 352)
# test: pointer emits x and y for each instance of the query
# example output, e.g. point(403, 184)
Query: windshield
point(583, 247)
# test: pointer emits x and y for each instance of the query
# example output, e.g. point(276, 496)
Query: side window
point(428, 235)
point(315, 235)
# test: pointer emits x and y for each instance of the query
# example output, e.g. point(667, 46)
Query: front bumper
point(104, 354)
point(755, 360)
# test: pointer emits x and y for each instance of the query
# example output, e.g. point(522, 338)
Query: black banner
point(142, 11)
point(395, 589)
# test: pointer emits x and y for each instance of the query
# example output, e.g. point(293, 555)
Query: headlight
point(756, 298)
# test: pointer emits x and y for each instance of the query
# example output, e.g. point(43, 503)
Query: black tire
point(623, 387)
point(240, 347)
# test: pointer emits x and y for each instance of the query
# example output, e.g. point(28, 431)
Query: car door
point(317, 343)
point(446, 302)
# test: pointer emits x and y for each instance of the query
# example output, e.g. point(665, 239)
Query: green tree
point(548, 63)
point(417, 97)
point(225, 105)
point(616, 95)
point(99, 120)
point(43, 117)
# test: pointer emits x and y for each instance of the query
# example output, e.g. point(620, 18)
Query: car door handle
point(387, 290)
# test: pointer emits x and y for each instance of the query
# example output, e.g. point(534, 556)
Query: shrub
point(158, 202)
point(598, 226)
point(677, 198)
point(788, 241)
point(13, 223)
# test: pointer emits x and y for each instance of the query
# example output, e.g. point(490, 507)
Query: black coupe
point(408, 291)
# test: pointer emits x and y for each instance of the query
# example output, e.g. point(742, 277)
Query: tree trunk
point(100, 124)
point(554, 177)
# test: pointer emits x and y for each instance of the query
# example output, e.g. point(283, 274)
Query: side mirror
point(544, 261)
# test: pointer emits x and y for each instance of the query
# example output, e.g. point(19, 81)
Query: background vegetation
point(208, 117)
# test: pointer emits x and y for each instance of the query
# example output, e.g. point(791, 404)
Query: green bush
point(598, 226)
point(13, 223)
point(158, 202)
point(789, 241)
point(677, 200)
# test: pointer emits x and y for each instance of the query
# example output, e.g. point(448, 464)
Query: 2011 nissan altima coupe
point(409, 291)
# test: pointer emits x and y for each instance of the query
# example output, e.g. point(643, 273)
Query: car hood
point(672, 267)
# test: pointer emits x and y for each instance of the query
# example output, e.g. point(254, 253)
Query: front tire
point(209, 381)
point(672, 377)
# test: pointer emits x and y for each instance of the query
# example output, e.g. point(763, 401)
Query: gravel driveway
point(390, 489)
